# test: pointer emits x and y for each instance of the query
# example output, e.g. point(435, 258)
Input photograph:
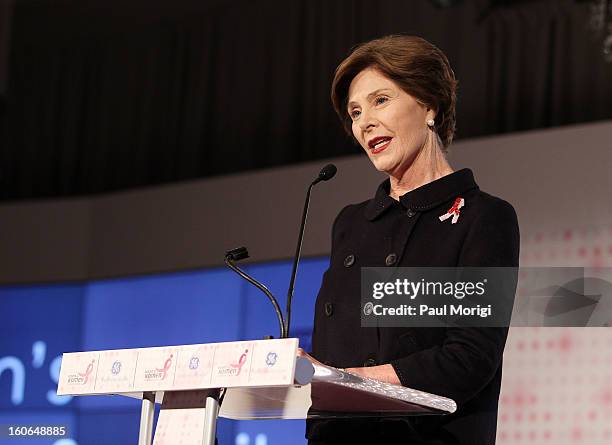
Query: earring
point(430, 122)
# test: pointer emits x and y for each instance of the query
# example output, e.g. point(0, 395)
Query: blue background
point(39, 323)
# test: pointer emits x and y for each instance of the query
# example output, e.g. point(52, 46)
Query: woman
point(396, 97)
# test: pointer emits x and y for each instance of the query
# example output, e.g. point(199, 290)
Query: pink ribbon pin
point(454, 211)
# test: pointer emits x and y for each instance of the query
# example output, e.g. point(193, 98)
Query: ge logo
point(271, 359)
point(368, 308)
point(116, 369)
point(194, 363)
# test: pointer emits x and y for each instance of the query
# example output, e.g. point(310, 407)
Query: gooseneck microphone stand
point(326, 173)
point(242, 253)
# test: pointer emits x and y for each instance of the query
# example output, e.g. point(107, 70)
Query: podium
point(260, 379)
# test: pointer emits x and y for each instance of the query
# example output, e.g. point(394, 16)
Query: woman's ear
point(431, 113)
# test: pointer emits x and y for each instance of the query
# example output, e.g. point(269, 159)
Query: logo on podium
point(194, 363)
point(271, 359)
point(82, 377)
point(234, 369)
point(116, 368)
point(159, 373)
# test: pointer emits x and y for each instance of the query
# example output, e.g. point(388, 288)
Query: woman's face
point(390, 125)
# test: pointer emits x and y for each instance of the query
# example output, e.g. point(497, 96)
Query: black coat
point(464, 364)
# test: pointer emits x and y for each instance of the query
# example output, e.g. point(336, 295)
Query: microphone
point(241, 253)
point(326, 173)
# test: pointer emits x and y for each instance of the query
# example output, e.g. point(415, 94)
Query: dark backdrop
point(112, 94)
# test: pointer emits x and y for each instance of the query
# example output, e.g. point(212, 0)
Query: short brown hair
point(415, 65)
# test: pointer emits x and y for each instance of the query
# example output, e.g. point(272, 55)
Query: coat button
point(329, 309)
point(369, 362)
point(391, 259)
point(349, 261)
point(410, 213)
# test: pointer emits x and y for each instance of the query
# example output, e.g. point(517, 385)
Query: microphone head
point(327, 172)
point(240, 253)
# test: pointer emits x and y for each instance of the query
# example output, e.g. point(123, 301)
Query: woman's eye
point(355, 114)
point(380, 100)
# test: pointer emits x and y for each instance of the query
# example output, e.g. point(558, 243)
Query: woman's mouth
point(378, 144)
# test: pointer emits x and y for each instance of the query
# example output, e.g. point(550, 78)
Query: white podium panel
point(259, 379)
point(214, 365)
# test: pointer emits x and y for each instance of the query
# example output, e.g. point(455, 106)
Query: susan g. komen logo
point(235, 368)
point(82, 377)
point(159, 373)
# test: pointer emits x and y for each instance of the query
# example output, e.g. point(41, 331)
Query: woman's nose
point(368, 120)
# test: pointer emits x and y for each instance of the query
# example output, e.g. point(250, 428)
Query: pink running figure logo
point(166, 367)
point(87, 372)
point(241, 362)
